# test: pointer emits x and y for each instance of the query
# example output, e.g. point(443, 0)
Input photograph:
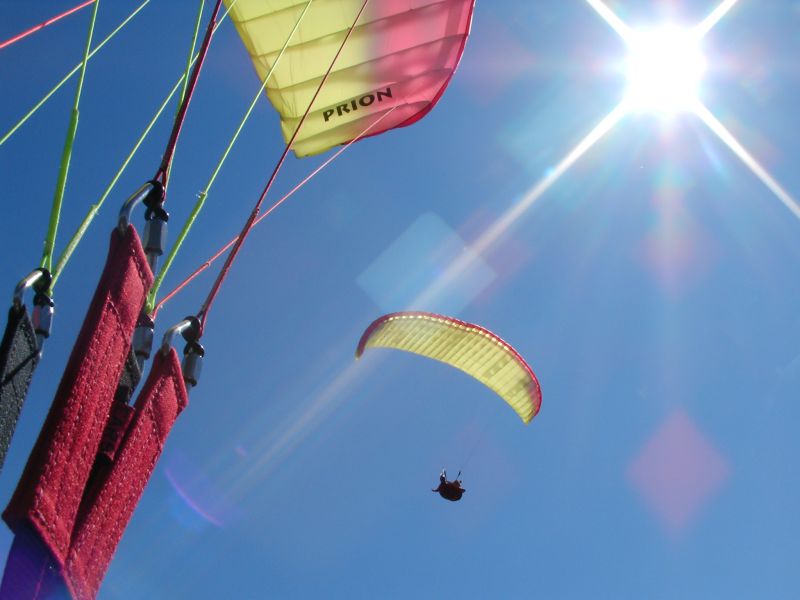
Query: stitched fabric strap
point(49, 492)
point(107, 511)
point(18, 359)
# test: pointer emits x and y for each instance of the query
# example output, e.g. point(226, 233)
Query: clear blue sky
point(653, 289)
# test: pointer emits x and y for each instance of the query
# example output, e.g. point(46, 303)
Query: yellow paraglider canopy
point(399, 60)
point(470, 348)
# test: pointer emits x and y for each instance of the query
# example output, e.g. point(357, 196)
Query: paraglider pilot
point(450, 490)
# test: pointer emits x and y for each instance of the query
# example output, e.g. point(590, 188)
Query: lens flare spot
point(678, 471)
point(418, 260)
point(197, 499)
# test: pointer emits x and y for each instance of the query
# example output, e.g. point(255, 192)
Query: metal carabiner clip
point(154, 239)
point(193, 353)
point(43, 306)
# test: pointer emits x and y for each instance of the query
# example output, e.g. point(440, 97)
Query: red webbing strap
point(108, 508)
point(49, 492)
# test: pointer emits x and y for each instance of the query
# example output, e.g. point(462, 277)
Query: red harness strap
point(109, 506)
point(49, 492)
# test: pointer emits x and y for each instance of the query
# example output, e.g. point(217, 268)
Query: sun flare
point(664, 68)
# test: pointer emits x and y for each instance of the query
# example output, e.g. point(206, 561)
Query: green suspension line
point(69, 75)
point(95, 208)
point(66, 155)
point(203, 195)
point(189, 62)
point(191, 58)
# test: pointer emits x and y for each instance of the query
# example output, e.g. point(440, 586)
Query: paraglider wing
point(470, 348)
point(401, 56)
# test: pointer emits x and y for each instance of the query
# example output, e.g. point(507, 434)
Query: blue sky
point(652, 288)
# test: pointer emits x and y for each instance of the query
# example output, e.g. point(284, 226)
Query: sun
point(664, 69)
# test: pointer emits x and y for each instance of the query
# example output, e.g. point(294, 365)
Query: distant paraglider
point(470, 348)
point(450, 490)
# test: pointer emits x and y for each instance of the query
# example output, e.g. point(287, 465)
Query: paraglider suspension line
point(267, 212)
point(248, 226)
point(163, 170)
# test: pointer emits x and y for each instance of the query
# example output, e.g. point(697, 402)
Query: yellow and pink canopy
point(470, 348)
point(400, 58)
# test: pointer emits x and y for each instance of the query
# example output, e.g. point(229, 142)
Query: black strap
point(19, 356)
point(116, 426)
point(120, 412)
point(131, 376)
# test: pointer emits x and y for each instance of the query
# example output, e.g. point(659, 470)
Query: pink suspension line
point(163, 170)
point(267, 212)
point(248, 226)
point(44, 24)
